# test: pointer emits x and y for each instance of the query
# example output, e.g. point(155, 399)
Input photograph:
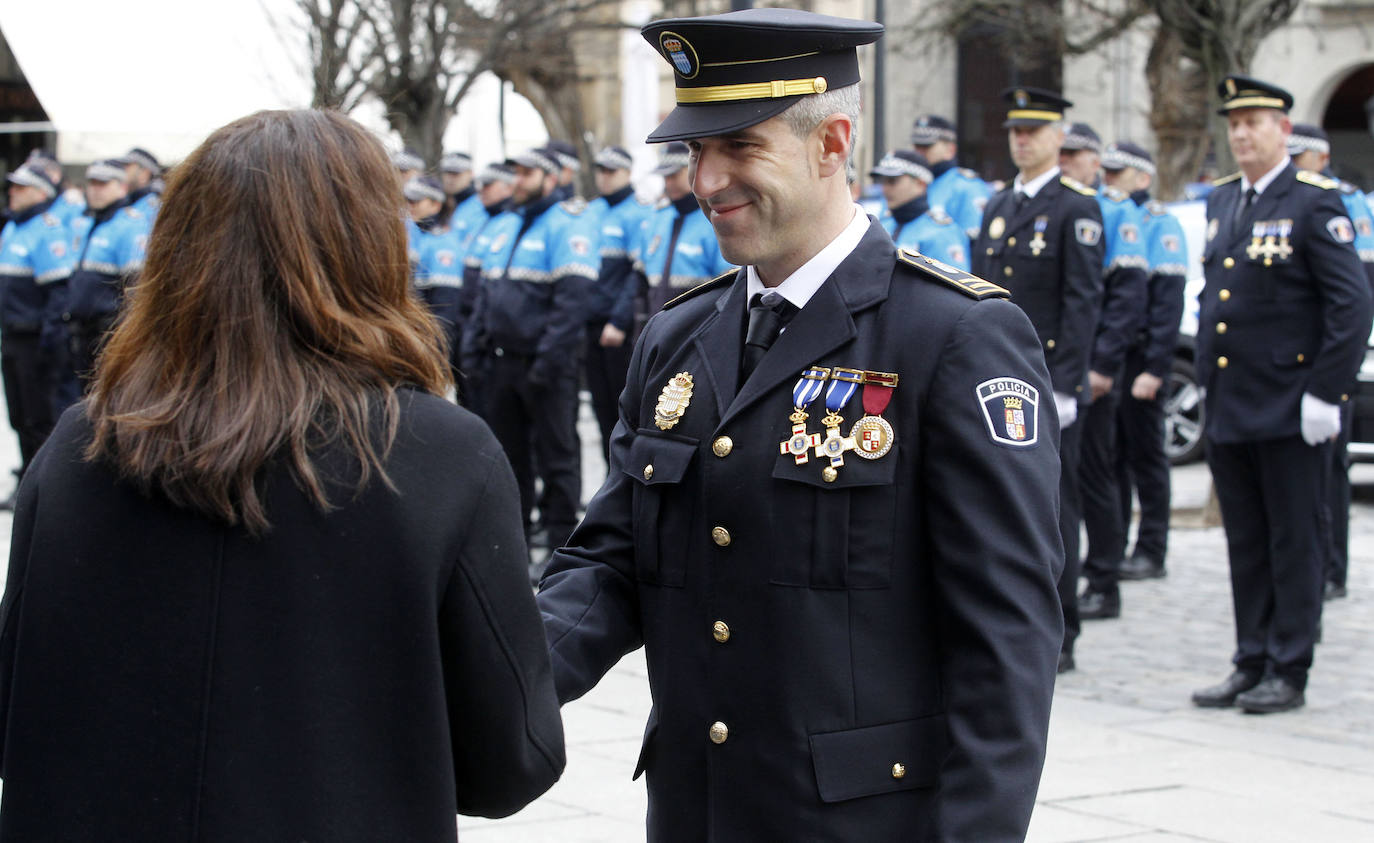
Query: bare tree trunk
point(1178, 113)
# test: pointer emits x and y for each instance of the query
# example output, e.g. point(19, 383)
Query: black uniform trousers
point(1099, 491)
point(606, 369)
point(1142, 464)
point(1070, 516)
point(537, 427)
point(1338, 502)
point(28, 375)
point(1271, 496)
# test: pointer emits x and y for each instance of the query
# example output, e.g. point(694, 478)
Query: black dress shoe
point(1224, 695)
point(1272, 695)
point(1333, 591)
point(1098, 605)
point(1142, 567)
point(1065, 663)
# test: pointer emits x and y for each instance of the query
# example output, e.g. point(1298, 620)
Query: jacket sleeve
point(505, 727)
point(1168, 278)
point(575, 268)
point(588, 595)
point(1336, 270)
point(1080, 293)
point(999, 620)
point(21, 539)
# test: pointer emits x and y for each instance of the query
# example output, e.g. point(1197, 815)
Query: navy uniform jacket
point(1055, 277)
point(880, 648)
point(1286, 307)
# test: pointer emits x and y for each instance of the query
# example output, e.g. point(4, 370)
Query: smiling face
point(1258, 138)
point(764, 189)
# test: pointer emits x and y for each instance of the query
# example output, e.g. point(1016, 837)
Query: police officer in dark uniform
point(1141, 461)
point(1282, 328)
point(1310, 149)
point(1042, 238)
point(842, 643)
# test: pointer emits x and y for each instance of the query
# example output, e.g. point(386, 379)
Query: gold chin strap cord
point(752, 91)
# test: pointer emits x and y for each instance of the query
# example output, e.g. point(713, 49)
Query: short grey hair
point(804, 115)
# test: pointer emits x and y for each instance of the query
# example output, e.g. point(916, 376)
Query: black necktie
point(1242, 220)
point(769, 312)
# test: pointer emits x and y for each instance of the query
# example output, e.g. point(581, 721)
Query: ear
point(836, 135)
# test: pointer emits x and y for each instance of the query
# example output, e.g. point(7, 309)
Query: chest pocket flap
point(662, 506)
point(878, 759)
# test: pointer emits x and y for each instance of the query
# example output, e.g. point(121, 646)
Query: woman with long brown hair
point(266, 583)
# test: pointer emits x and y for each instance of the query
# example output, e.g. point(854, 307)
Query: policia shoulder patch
point(970, 285)
point(716, 283)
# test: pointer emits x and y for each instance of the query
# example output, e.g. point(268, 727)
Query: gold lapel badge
point(672, 402)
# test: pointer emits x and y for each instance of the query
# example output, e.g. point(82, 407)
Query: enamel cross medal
point(808, 388)
point(843, 383)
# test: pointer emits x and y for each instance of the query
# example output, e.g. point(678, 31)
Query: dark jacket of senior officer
point(837, 546)
point(268, 584)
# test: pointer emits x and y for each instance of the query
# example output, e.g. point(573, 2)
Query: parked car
point(1184, 409)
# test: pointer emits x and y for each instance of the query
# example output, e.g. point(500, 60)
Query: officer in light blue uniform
point(958, 190)
point(1310, 148)
point(143, 174)
point(911, 221)
point(679, 248)
point(34, 256)
point(108, 246)
point(68, 205)
point(610, 308)
point(526, 334)
point(463, 203)
point(435, 259)
point(1123, 308)
point(569, 165)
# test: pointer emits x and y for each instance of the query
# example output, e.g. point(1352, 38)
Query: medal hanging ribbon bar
point(843, 383)
point(807, 390)
point(878, 388)
point(872, 435)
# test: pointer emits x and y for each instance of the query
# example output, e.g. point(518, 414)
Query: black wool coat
point(357, 675)
point(863, 656)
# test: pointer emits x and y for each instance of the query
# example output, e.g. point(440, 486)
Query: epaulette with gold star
point(1317, 180)
point(970, 285)
point(1077, 186)
point(1225, 180)
point(716, 283)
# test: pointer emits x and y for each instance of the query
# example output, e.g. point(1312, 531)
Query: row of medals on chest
point(1268, 239)
point(870, 438)
point(1037, 244)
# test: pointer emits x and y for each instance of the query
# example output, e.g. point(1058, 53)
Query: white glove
point(1320, 421)
point(1067, 406)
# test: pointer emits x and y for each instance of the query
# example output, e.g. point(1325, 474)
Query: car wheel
point(1183, 414)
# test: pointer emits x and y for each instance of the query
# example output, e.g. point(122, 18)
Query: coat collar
point(859, 282)
point(1266, 203)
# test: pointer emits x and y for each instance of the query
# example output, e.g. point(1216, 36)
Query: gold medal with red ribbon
point(872, 435)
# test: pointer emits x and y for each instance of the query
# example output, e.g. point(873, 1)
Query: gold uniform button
point(1007, 271)
point(720, 536)
point(649, 472)
point(1345, 397)
point(1222, 362)
point(1229, 262)
point(1011, 241)
point(828, 474)
point(722, 446)
point(720, 630)
point(898, 771)
point(1224, 295)
point(989, 250)
point(1302, 357)
point(1049, 343)
point(1221, 327)
point(719, 732)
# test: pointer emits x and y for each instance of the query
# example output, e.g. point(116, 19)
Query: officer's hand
point(1067, 406)
point(612, 337)
point(1320, 421)
point(1100, 384)
point(1146, 387)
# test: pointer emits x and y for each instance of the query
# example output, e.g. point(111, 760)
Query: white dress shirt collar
point(1033, 186)
point(1263, 182)
point(800, 286)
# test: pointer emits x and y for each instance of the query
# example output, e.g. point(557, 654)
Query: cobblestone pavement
point(1129, 759)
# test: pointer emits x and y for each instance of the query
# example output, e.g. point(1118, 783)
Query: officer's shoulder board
point(1317, 180)
point(51, 221)
point(722, 280)
point(133, 213)
point(1115, 194)
point(575, 206)
point(1077, 186)
point(1225, 180)
point(969, 174)
point(933, 270)
point(939, 217)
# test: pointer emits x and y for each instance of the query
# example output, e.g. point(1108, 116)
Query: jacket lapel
point(720, 342)
point(826, 323)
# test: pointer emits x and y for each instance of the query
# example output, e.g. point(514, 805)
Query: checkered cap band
point(26, 175)
point(671, 162)
point(415, 190)
point(1075, 141)
point(105, 171)
point(407, 161)
point(927, 135)
point(495, 173)
point(1303, 143)
point(613, 159)
point(456, 162)
point(538, 159)
point(893, 165)
point(1116, 159)
point(142, 159)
